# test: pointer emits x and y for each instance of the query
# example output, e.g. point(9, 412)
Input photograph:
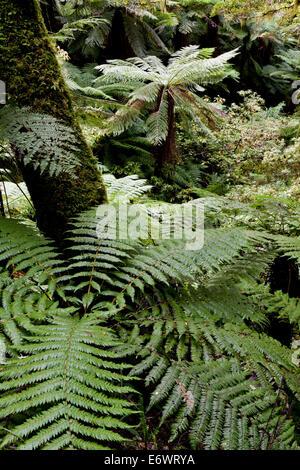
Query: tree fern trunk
point(181, 40)
point(119, 46)
point(29, 67)
point(212, 35)
point(166, 153)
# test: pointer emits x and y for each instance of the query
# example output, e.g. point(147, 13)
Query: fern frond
point(127, 188)
point(69, 367)
point(181, 315)
point(234, 374)
point(290, 246)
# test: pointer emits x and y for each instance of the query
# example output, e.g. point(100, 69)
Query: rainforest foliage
point(112, 341)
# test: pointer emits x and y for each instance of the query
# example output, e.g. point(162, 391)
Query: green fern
point(45, 136)
point(72, 386)
point(154, 84)
point(224, 388)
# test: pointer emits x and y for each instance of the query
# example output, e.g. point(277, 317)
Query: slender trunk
point(166, 153)
point(29, 67)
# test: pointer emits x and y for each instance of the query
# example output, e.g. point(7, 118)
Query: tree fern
point(291, 246)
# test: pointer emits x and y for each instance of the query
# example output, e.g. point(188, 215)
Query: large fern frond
point(45, 136)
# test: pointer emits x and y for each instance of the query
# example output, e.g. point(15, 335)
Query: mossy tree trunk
point(30, 69)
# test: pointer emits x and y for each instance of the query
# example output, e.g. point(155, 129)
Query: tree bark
point(166, 153)
point(32, 74)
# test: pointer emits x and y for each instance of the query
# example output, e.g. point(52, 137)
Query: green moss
point(30, 69)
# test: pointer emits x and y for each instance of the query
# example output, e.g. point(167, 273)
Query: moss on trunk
point(30, 69)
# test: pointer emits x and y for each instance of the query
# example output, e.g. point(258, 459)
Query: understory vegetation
point(141, 343)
